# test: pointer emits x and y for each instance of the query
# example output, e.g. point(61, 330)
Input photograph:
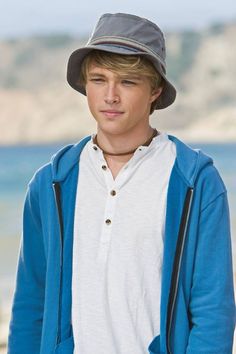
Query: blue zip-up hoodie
point(197, 299)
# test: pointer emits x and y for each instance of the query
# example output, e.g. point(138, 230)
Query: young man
point(126, 244)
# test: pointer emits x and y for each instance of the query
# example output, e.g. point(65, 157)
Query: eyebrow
point(95, 74)
point(131, 77)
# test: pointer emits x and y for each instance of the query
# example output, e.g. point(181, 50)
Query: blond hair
point(122, 64)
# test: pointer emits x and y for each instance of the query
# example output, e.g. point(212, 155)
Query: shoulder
point(198, 170)
point(60, 165)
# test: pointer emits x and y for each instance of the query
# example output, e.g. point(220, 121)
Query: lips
point(111, 113)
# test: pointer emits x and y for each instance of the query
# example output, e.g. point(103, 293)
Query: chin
point(112, 130)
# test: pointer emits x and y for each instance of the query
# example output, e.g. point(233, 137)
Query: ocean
point(17, 166)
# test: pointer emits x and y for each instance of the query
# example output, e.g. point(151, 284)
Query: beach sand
point(4, 327)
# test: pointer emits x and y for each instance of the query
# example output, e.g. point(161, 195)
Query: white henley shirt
point(118, 248)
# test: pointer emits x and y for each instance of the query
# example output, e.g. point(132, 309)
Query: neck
point(116, 147)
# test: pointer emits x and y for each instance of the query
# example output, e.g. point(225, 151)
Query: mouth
point(111, 113)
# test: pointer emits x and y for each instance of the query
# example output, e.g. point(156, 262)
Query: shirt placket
point(109, 212)
point(113, 188)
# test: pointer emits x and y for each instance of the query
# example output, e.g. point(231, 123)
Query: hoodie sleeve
point(212, 305)
point(28, 302)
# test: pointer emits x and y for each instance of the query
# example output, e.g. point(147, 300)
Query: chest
point(126, 214)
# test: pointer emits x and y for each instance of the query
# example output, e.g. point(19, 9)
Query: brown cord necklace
point(155, 133)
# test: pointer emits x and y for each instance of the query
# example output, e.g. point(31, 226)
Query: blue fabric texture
point(204, 312)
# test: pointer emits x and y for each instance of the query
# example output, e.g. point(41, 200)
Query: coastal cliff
point(38, 106)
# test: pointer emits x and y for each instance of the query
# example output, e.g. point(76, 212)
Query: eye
point(128, 82)
point(97, 80)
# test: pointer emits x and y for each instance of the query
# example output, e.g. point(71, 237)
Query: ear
point(155, 94)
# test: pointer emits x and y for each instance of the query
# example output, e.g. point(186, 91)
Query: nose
point(111, 94)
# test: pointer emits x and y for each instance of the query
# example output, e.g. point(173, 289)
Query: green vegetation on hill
point(54, 41)
point(35, 62)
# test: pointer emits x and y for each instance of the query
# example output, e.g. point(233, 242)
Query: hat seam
point(124, 41)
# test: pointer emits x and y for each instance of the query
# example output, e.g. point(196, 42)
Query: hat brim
point(168, 94)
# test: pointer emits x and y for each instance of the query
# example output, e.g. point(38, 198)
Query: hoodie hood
point(65, 159)
point(189, 161)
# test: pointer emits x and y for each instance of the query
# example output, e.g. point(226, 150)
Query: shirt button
point(104, 167)
point(95, 148)
point(108, 221)
point(113, 192)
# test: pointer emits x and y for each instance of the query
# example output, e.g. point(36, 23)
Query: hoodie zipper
point(177, 264)
point(177, 260)
point(57, 196)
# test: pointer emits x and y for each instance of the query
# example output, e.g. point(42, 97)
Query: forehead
point(95, 69)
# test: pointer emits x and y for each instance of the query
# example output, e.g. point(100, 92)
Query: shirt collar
point(96, 152)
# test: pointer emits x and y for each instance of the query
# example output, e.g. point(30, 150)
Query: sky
point(29, 17)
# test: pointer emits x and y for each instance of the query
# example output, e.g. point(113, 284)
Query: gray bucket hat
point(128, 35)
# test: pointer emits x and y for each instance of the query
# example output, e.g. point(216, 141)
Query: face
point(119, 103)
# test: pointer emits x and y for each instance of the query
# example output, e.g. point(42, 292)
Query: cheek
point(91, 102)
point(92, 97)
point(141, 102)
